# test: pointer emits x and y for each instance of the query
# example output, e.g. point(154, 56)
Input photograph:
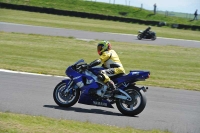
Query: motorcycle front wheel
point(65, 99)
point(134, 107)
point(153, 38)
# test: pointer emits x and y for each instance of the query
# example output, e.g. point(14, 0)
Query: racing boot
point(112, 87)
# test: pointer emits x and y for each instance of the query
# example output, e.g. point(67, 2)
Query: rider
point(145, 32)
point(111, 63)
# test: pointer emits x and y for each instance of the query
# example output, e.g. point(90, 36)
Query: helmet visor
point(99, 48)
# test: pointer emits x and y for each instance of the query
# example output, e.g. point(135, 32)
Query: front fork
point(68, 87)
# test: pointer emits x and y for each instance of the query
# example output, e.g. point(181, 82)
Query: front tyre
point(153, 37)
point(134, 107)
point(65, 99)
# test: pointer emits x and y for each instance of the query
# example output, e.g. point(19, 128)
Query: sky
point(184, 6)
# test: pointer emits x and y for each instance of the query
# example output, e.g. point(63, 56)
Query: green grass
point(18, 123)
point(90, 24)
point(102, 8)
point(170, 66)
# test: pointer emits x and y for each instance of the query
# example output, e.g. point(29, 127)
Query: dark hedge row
point(87, 15)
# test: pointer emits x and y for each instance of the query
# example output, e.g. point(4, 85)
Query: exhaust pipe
point(144, 88)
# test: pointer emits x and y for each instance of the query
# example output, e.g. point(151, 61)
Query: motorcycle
point(148, 35)
point(84, 86)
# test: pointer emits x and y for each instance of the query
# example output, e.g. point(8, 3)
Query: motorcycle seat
point(117, 76)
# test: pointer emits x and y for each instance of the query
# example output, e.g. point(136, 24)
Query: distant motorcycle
point(146, 34)
point(84, 86)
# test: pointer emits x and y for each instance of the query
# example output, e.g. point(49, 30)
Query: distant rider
point(146, 32)
point(110, 61)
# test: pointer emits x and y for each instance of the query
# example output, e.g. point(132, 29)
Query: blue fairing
point(72, 73)
point(96, 70)
point(66, 81)
point(87, 81)
point(89, 100)
point(81, 78)
point(133, 76)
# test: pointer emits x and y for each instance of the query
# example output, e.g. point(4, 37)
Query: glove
point(95, 63)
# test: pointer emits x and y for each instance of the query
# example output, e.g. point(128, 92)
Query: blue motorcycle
point(82, 85)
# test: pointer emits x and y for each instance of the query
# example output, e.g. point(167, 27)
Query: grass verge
point(40, 19)
point(18, 123)
point(103, 8)
point(170, 66)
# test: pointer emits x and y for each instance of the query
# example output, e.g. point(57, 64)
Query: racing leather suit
point(112, 63)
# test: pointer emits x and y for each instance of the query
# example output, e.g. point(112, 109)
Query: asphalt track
point(167, 109)
point(29, 29)
point(174, 110)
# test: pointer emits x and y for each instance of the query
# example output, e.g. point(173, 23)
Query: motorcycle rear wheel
point(65, 100)
point(139, 36)
point(134, 107)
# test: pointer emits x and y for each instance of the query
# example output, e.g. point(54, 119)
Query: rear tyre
point(134, 107)
point(139, 36)
point(65, 99)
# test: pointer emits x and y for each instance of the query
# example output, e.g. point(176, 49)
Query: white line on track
point(10, 71)
point(85, 39)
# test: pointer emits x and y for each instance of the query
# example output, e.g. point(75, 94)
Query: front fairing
point(82, 80)
point(70, 71)
point(152, 33)
point(79, 61)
